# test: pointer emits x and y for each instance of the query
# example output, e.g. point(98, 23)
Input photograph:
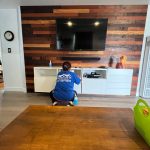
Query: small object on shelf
point(50, 63)
point(111, 62)
point(121, 63)
point(93, 75)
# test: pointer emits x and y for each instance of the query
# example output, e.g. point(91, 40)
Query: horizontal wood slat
point(119, 10)
point(48, 15)
point(42, 25)
point(36, 45)
point(38, 22)
point(44, 32)
point(71, 11)
point(135, 29)
point(125, 32)
point(115, 21)
point(125, 42)
point(124, 36)
point(57, 52)
point(41, 15)
point(131, 18)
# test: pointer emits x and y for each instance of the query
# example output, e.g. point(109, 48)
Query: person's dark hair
point(66, 66)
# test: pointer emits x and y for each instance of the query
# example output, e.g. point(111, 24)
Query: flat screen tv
point(81, 34)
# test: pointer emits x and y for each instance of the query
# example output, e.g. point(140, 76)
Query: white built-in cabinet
point(93, 80)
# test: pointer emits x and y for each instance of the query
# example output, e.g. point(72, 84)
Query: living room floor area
point(14, 103)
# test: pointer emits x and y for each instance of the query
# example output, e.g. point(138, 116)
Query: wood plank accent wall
point(124, 36)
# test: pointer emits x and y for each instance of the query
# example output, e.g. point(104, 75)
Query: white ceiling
point(14, 3)
point(4, 4)
point(83, 2)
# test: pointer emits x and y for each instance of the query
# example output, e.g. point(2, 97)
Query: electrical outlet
point(9, 50)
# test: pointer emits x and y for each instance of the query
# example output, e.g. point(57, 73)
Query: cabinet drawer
point(118, 91)
point(119, 85)
point(120, 72)
point(119, 79)
point(93, 86)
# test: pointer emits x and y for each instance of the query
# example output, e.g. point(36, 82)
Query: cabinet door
point(119, 81)
point(93, 86)
point(77, 88)
point(44, 79)
point(44, 84)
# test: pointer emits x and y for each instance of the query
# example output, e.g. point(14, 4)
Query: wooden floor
point(72, 128)
point(14, 103)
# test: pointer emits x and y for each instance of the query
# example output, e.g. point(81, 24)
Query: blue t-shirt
point(64, 89)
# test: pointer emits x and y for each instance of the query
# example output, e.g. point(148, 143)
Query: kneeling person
point(64, 89)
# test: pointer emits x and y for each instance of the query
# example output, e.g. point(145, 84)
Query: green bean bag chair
point(142, 119)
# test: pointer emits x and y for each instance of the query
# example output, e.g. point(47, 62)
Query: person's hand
point(79, 76)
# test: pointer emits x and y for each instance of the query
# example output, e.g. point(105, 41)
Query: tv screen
point(81, 34)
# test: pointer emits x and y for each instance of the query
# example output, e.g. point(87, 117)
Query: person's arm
point(77, 79)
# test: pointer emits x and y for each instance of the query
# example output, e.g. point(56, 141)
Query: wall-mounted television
point(81, 34)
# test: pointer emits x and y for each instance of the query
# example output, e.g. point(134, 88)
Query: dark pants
point(54, 99)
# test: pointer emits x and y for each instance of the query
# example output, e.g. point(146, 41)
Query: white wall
point(146, 33)
point(13, 63)
point(0, 51)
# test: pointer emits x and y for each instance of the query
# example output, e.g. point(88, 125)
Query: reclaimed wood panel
point(71, 11)
point(36, 45)
point(124, 42)
point(135, 29)
point(131, 18)
point(41, 15)
point(125, 32)
point(124, 36)
point(38, 22)
point(42, 25)
point(44, 32)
